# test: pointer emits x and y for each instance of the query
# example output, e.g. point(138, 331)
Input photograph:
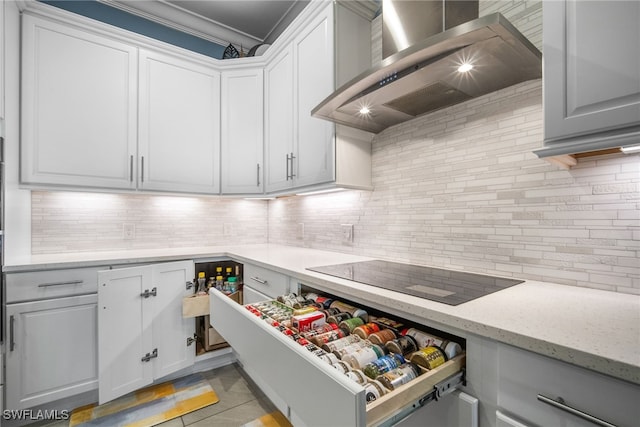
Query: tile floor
point(241, 401)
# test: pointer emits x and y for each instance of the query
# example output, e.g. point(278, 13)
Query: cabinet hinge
point(147, 357)
point(147, 294)
point(191, 340)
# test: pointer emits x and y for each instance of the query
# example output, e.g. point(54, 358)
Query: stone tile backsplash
point(460, 188)
point(79, 222)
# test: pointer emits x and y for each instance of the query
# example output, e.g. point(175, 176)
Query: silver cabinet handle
point(258, 174)
point(12, 343)
point(142, 169)
point(259, 280)
point(559, 403)
point(131, 168)
point(287, 167)
point(71, 282)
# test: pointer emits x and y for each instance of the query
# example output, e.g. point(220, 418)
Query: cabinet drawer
point(278, 364)
point(266, 281)
point(523, 376)
point(51, 284)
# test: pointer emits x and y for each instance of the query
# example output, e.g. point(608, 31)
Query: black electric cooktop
point(436, 284)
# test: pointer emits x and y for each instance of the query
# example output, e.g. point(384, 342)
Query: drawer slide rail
point(439, 391)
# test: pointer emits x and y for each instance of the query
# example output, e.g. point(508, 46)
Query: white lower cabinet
point(51, 350)
point(539, 391)
point(142, 334)
point(309, 391)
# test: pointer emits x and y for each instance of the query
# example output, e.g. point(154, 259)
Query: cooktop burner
point(436, 284)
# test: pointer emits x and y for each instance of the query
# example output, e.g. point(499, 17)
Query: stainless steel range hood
point(424, 77)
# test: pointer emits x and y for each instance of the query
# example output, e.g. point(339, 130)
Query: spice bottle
point(202, 285)
point(383, 364)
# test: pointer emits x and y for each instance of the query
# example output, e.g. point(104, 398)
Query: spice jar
point(383, 364)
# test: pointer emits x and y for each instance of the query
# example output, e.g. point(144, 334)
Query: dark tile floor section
point(241, 401)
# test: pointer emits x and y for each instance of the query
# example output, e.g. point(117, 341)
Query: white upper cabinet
point(591, 75)
point(179, 125)
point(242, 131)
point(305, 152)
point(279, 101)
point(314, 79)
point(107, 109)
point(2, 30)
point(79, 107)
point(101, 113)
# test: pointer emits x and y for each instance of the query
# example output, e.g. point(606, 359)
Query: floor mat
point(149, 406)
point(274, 419)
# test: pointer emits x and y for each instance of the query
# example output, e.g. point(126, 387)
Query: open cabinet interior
point(286, 355)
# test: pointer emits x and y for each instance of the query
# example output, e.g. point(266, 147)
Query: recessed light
point(465, 67)
point(364, 111)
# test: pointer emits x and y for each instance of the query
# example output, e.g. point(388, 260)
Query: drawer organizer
point(310, 391)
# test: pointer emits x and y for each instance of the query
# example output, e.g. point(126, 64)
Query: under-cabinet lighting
point(259, 198)
point(631, 149)
point(465, 67)
point(310, 193)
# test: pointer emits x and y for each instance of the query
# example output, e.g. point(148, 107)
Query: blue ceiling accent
point(118, 18)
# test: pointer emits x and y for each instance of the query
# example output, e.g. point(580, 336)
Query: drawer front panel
point(268, 282)
point(51, 284)
point(524, 375)
point(297, 376)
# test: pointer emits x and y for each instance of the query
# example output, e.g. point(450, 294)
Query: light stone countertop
point(598, 330)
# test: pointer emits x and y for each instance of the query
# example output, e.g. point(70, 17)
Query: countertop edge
point(255, 254)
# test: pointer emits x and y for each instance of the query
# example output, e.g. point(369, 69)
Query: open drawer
point(306, 389)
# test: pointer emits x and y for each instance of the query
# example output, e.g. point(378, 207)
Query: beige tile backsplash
point(458, 188)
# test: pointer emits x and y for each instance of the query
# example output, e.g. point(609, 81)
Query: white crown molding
point(172, 16)
point(53, 13)
point(365, 8)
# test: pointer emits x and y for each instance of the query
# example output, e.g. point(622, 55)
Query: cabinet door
point(124, 326)
point(242, 131)
point(314, 75)
point(179, 125)
point(170, 329)
point(79, 103)
point(279, 121)
point(51, 350)
point(142, 335)
point(591, 66)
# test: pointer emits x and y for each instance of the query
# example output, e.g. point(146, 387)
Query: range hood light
point(465, 67)
point(631, 149)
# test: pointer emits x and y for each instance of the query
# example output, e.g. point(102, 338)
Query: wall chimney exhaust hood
point(455, 63)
